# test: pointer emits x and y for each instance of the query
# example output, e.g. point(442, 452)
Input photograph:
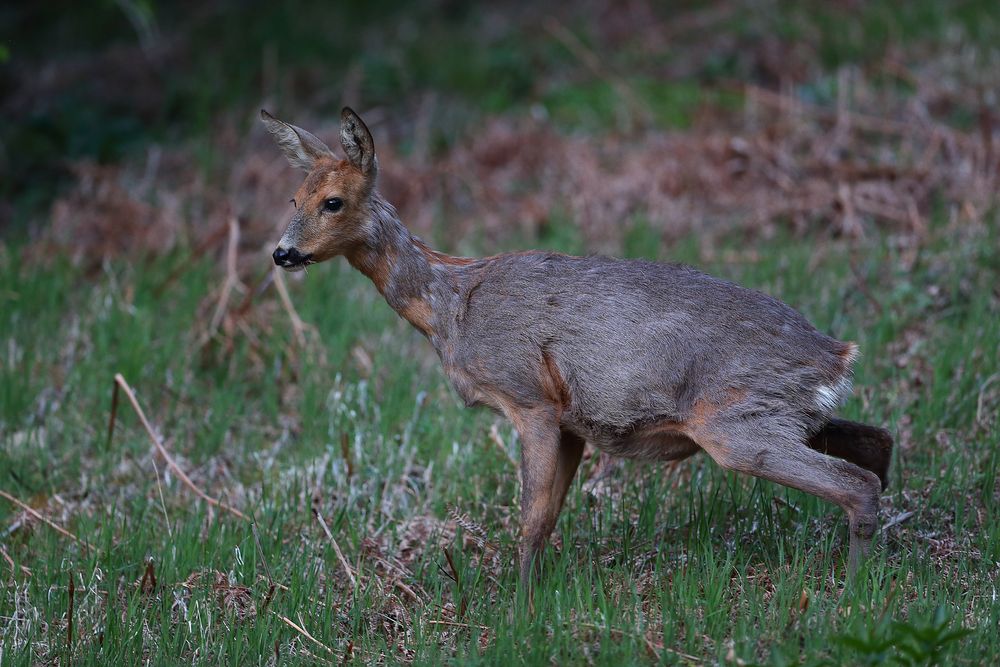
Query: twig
point(120, 381)
point(336, 549)
point(59, 529)
point(280, 586)
point(850, 225)
point(410, 593)
point(896, 520)
point(498, 441)
point(458, 582)
point(10, 561)
point(396, 582)
point(305, 633)
point(649, 644)
point(298, 326)
point(445, 572)
point(454, 624)
point(232, 278)
point(861, 121)
point(266, 278)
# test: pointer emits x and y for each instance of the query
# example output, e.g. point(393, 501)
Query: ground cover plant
point(311, 491)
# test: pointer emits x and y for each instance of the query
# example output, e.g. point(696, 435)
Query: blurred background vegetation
point(104, 82)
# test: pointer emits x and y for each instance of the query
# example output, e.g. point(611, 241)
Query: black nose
point(289, 257)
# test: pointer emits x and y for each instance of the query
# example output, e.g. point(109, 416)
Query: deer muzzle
point(289, 258)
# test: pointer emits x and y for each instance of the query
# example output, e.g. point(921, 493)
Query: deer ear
point(357, 142)
point(300, 147)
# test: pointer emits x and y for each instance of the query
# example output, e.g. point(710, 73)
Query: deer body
point(643, 360)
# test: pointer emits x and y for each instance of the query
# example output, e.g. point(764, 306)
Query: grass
point(674, 565)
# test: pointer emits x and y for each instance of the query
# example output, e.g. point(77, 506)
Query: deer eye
point(333, 204)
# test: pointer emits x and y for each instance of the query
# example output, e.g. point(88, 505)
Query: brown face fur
point(321, 233)
point(317, 231)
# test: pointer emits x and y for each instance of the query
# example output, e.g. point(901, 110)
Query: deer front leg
point(568, 460)
point(540, 500)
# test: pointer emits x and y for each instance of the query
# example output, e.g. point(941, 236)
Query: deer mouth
point(300, 265)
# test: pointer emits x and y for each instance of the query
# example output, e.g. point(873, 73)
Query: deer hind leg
point(763, 453)
point(867, 446)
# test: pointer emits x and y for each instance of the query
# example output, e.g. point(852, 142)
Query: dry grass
point(776, 162)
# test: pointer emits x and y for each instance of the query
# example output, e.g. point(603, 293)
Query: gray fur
point(641, 359)
point(637, 342)
point(302, 149)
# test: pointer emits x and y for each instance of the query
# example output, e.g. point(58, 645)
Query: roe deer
point(643, 360)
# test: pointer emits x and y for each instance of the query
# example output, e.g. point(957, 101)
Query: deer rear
point(641, 359)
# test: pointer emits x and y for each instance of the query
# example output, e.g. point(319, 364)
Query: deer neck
point(408, 274)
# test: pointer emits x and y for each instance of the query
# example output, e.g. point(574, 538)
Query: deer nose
point(289, 257)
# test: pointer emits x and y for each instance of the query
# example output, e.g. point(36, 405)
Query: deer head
point(333, 204)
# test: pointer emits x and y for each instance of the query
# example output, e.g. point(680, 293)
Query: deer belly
point(654, 443)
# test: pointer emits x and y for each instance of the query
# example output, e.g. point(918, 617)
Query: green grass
point(663, 565)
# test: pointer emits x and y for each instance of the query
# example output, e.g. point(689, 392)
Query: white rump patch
point(851, 355)
point(829, 398)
